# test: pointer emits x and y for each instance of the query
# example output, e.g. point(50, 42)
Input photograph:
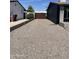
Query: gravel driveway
point(39, 39)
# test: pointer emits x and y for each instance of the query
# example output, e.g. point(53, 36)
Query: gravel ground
point(39, 39)
point(66, 25)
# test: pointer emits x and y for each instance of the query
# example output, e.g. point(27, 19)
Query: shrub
point(30, 9)
point(30, 16)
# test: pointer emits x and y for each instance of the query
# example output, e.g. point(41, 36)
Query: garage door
point(40, 15)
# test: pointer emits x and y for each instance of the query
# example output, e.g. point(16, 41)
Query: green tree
point(30, 9)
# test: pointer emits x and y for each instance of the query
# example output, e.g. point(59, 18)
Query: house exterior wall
point(56, 12)
point(53, 13)
point(15, 8)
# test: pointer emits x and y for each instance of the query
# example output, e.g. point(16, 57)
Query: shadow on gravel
point(61, 24)
point(52, 24)
point(19, 25)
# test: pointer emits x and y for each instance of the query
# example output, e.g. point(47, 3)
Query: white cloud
point(62, 0)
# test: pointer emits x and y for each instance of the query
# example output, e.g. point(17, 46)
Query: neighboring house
point(17, 9)
point(58, 12)
point(40, 15)
point(53, 12)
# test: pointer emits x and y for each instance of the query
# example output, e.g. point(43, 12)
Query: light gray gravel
point(39, 39)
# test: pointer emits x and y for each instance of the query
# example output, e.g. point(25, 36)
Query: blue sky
point(38, 5)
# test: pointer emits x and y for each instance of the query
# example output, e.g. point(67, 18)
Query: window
point(66, 15)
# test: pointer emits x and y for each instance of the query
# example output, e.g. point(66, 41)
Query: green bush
point(30, 16)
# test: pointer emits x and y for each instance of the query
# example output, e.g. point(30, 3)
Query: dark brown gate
point(40, 15)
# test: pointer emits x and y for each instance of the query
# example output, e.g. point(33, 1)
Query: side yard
point(39, 39)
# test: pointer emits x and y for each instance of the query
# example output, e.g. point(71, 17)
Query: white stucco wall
point(15, 8)
point(61, 16)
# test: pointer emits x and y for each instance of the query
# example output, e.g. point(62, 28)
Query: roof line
point(20, 4)
point(13, 1)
